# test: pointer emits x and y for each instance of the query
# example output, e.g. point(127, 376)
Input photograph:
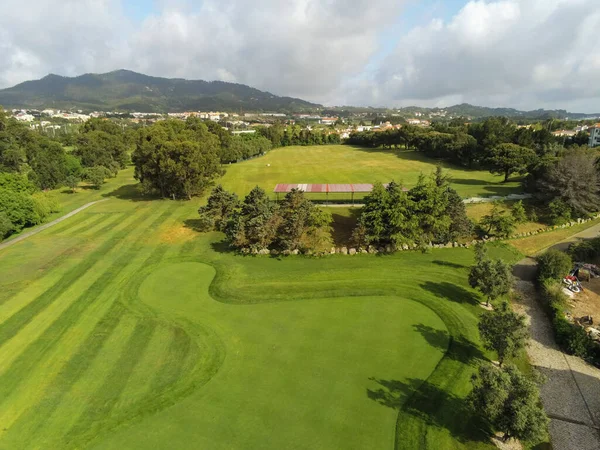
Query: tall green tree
point(303, 225)
point(255, 226)
point(507, 159)
point(504, 332)
point(510, 402)
point(493, 278)
point(429, 206)
point(373, 214)
point(174, 160)
point(219, 209)
point(572, 181)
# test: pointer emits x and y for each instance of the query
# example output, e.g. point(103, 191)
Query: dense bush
point(585, 250)
point(19, 208)
point(45, 204)
point(572, 338)
point(553, 265)
point(429, 212)
point(258, 223)
point(175, 158)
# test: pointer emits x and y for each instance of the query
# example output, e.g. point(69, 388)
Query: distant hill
point(124, 90)
point(479, 112)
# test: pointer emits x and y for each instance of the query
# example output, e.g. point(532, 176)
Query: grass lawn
point(122, 327)
point(476, 211)
point(533, 245)
point(347, 164)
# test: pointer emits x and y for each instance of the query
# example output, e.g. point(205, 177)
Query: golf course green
point(124, 327)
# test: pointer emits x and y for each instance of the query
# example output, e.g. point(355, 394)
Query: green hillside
point(130, 91)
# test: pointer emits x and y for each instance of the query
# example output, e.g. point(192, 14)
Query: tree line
point(32, 164)
point(287, 135)
point(506, 398)
point(259, 224)
point(562, 173)
point(430, 212)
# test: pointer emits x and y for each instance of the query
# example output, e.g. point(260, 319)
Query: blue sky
point(526, 54)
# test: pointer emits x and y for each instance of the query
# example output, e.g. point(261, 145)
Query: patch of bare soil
point(511, 444)
point(587, 303)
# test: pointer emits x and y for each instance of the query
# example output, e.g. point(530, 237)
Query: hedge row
point(572, 338)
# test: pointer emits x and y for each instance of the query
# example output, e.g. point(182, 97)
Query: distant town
point(56, 121)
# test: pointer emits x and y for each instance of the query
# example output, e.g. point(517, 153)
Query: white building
point(595, 136)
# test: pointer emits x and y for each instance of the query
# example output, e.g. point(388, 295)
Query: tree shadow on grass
point(456, 348)
point(131, 192)
point(432, 405)
point(222, 247)
point(449, 264)
point(451, 292)
point(194, 224)
point(343, 226)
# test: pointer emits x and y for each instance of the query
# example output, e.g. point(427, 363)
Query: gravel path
point(47, 225)
point(571, 395)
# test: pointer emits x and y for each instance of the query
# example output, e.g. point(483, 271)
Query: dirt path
point(571, 395)
point(47, 225)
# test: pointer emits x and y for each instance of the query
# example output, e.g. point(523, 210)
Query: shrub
point(553, 265)
point(585, 250)
point(44, 204)
point(560, 212)
point(518, 212)
point(572, 338)
point(6, 226)
point(19, 208)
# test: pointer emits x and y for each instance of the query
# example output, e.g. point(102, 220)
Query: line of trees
point(258, 224)
point(506, 398)
point(283, 136)
point(562, 174)
point(429, 212)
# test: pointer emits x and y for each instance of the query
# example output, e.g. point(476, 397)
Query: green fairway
point(347, 164)
point(122, 327)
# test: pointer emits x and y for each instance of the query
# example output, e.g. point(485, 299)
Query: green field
point(123, 327)
point(347, 164)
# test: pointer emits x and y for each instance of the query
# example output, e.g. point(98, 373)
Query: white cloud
point(302, 48)
point(67, 37)
point(524, 53)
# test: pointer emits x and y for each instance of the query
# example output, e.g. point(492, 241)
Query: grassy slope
point(346, 164)
point(326, 353)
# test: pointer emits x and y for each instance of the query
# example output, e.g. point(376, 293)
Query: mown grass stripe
point(10, 379)
point(174, 363)
point(78, 221)
point(30, 422)
point(89, 227)
point(106, 396)
point(122, 270)
point(11, 326)
point(11, 304)
point(151, 362)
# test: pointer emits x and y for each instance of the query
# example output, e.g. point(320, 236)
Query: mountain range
point(127, 91)
point(124, 90)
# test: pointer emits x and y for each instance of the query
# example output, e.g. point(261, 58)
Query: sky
point(526, 54)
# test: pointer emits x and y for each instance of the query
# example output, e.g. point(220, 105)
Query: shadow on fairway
point(449, 264)
point(343, 226)
point(451, 292)
point(428, 403)
point(130, 192)
point(456, 348)
point(194, 224)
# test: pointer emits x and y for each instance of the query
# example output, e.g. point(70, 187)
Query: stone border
point(389, 249)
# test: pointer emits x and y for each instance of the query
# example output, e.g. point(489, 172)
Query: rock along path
point(47, 225)
point(571, 395)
